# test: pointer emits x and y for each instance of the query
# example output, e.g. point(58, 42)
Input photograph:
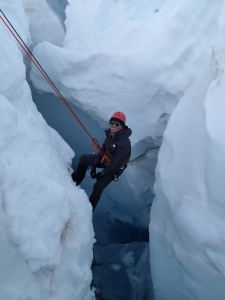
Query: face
point(115, 126)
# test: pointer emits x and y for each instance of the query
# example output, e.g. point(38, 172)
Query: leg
point(98, 188)
point(85, 161)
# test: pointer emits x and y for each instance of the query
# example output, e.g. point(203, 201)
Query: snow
point(127, 70)
point(188, 239)
point(43, 237)
point(187, 223)
point(162, 63)
point(39, 14)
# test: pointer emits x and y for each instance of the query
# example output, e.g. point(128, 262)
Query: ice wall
point(46, 247)
point(187, 216)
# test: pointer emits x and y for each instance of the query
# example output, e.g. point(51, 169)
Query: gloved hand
point(93, 172)
point(99, 175)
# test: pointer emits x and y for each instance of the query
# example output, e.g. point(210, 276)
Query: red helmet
point(119, 115)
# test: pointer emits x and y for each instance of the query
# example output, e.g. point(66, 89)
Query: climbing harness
point(106, 159)
point(22, 44)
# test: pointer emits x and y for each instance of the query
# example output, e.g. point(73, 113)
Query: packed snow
point(162, 63)
point(46, 247)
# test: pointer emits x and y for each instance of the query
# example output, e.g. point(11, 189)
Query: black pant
point(85, 161)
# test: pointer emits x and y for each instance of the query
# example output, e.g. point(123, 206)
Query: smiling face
point(115, 126)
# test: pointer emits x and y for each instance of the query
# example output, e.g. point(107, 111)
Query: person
point(117, 148)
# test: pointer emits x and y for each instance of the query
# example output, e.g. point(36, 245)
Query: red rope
point(38, 66)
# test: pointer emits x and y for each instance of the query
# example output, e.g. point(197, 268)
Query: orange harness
point(106, 161)
point(108, 158)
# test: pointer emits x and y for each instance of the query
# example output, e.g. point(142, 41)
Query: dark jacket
point(118, 148)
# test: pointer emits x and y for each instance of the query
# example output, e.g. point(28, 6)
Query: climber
point(117, 150)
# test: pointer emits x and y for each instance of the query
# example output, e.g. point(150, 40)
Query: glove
point(93, 172)
point(99, 175)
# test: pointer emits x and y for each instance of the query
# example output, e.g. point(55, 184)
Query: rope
point(44, 74)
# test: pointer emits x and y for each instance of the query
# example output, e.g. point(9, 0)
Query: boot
point(77, 178)
point(79, 175)
point(94, 198)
